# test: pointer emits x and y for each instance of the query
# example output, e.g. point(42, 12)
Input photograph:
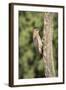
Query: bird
point(37, 41)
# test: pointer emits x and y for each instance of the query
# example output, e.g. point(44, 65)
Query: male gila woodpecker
point(37, 40)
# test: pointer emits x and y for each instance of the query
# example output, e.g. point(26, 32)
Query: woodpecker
point(37, 40)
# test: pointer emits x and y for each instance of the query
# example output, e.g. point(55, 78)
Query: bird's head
point(35, 30)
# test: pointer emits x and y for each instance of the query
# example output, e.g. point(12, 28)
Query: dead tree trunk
point(47, 45)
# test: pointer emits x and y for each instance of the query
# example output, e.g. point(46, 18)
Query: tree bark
point(47, 45)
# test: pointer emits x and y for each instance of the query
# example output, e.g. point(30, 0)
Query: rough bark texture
point(47, 45)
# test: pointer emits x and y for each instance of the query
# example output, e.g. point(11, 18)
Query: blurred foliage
point(30, 63)
point(55, 41)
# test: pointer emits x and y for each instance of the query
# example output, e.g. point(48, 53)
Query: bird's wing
point(40, 41)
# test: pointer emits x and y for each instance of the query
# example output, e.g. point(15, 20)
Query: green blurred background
point(30, 63)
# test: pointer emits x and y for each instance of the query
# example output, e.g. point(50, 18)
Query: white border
point(60, 45)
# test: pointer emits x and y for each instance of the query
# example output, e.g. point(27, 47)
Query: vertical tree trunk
point(47, 45)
